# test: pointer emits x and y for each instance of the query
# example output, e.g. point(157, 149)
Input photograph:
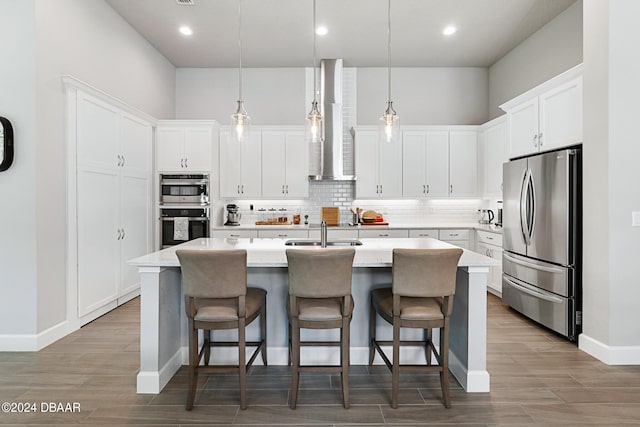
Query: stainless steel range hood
point(331, 150)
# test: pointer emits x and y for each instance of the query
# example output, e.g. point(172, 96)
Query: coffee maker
point(233, 216)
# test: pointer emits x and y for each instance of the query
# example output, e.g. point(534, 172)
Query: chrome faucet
point(323, 233)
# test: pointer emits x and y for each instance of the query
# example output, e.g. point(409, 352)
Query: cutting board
point(331, 215)
point(376, 223)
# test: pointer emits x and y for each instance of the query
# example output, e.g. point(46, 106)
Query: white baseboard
point(611, 355)
point(152, 382)
point(34, 342)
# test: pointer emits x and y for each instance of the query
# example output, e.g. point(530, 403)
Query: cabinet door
point(494, 155)
point(98, 238)
point(97, 134)
point(414, 178)
point(366, 147)
point(251, 166)
point(229, 166)
point(198, 149)
point(273, 164)
point(297, 155)
point(437, 164)
point(463, 163)
point(135, 222)
point(390, 165)
point(561, 116)
point(169, 149)
point(135, 142)
point(523, 129)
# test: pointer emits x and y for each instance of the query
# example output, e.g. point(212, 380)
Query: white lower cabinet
point(112, 201)
point(234, 234)
point(457, 237)
point(427, 232)
point(284, 234)
point(382, 233)
point(490, 244)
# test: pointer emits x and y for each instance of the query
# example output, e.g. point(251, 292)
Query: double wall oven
point(184, 208)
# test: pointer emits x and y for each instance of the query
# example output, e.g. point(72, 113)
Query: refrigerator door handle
point(534, 293)
point(524, 191)
point(531, 265)
point(532, 206)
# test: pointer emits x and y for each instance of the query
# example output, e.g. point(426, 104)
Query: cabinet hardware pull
point(181, 163)
point(283, 235)
point(287, 188)
point(451, 189)
point(123, 160)
point(427, 188)
point(540, 139)
point(118, 164)
point(119, 235)
point(185, 163)
point(123, 234)
point(383, 235)
point(283, 189)
point(453, 234)
point(234, 235)
point(489, 238)
point(238, 189)
point(424, 189)
point(242, 188)
point(535, 140)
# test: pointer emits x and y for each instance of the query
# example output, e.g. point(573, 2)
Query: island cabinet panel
point(113, 202)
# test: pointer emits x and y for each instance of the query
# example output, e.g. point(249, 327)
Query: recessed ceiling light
point(448, 30)
point(322, 30)
point(184, 30)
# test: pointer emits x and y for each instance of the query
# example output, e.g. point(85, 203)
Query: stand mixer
point(233, 216)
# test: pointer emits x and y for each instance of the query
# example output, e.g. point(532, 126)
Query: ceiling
point(278, 33)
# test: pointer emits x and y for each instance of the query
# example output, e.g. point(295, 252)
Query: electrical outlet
point(635, 219)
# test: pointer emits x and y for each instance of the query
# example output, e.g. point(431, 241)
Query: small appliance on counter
point(233, 216)
point(485, 216)
point(499, 218)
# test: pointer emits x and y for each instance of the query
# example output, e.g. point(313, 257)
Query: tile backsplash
point(341, 194)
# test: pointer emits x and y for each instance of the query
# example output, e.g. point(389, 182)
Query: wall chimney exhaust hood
point(331, 149)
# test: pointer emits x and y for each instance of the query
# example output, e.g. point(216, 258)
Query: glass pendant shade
point(389, 129)
point(240, 124)
point(313, 128)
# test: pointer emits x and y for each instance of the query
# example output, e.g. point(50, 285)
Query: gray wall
point(277, 96)
point(554, 48)
point(86, 39)
point(611, 153)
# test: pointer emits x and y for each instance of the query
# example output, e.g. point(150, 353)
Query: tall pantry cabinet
point(110, 178)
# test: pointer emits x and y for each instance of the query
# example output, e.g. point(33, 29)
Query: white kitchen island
point(163, 322)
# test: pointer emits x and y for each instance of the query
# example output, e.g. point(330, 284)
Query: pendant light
point(313, 128)
point(240, 120)
point(389, 122)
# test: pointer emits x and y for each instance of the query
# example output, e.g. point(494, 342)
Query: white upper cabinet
point(439, 163)
point(378, 165)
point(463, 163)
point(547, 117)
point(495, 143)
point(185, 146)
point(285, 164)
point(240, 166)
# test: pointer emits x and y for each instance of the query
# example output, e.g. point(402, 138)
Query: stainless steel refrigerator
point(542, 239)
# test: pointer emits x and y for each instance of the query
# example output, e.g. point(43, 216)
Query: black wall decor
point(6, 144)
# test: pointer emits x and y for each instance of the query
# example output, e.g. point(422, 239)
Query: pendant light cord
point(240, 49)
point(315, 88)
point(389, 46)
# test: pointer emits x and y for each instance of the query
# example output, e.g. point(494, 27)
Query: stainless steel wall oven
point(179, 225)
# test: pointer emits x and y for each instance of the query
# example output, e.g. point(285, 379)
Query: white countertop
point(271, 252)
point(399, 225)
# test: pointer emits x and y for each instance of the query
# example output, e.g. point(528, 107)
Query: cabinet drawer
point(490, 238)
point(454, 234)
point(424, 233)
point(284, 234)
point(335, 233)
point(237, 234)
point(365, 234)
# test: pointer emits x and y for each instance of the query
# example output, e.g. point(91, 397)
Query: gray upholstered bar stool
point(421, 296)
point(319, 298)
point(217, 297)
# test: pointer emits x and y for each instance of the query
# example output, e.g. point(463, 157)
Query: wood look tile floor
point(537, 379)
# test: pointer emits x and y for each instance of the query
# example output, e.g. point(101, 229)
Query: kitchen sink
point(304, 242)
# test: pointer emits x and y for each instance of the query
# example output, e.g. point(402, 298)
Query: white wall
point(87, 39)
point(424, 96)
point(18, 270)
point(612, 245)
point(554, 48)
point(272, 96)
